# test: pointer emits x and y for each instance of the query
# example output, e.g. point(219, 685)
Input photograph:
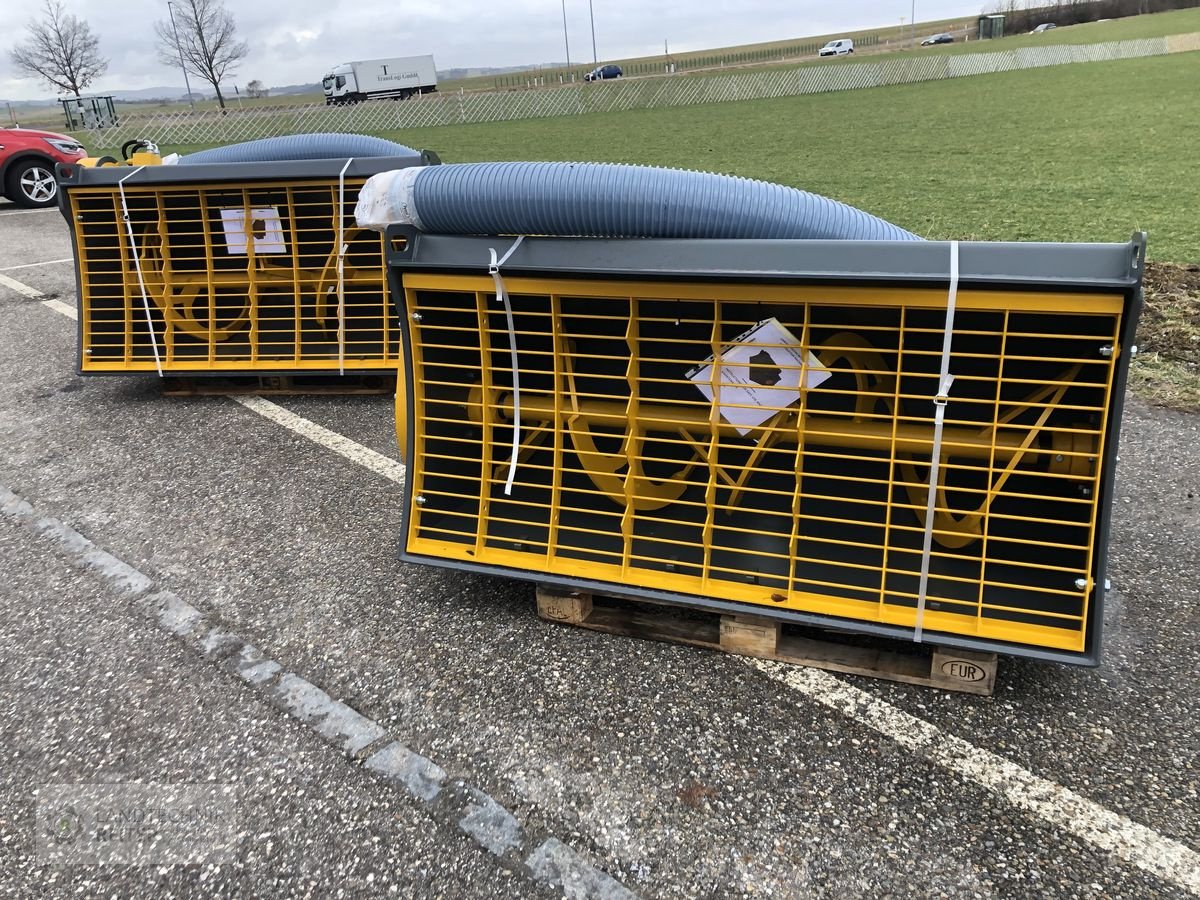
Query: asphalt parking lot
point(670, 771)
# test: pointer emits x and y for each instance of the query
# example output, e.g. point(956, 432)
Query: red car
point(27, 158)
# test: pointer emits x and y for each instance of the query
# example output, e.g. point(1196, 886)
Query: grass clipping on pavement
point(1166, 371)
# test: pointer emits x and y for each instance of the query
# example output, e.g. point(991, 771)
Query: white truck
point(380, 79)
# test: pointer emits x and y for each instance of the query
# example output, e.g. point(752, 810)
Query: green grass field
point(1071, 153)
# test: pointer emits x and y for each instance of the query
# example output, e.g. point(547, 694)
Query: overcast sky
point(296, 41)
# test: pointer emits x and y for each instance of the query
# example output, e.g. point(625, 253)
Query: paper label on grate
point(266, 230)
point(759, 375)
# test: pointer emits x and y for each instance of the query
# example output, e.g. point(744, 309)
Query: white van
point(840, 47)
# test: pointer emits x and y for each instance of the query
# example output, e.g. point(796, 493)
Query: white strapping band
point(341, 267)
point(945, 380)
point(137, 265)
point(502, 296)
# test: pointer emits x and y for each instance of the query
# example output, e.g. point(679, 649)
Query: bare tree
point(256, 91)
point(61, 50)
point(207, 41)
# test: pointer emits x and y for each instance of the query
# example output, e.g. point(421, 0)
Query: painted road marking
point(353, 451)
point(421, 778)
point(21, 288)
point(452, 802)
point(389, 468)
point(63, 308)
point(1061, 807)
point(25, 212)
point(1147, 849)
point(48, 262)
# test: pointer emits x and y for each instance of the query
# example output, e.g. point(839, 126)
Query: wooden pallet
point(378, 382)
point(952, 670)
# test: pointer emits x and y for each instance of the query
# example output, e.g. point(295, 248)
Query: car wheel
point(31, 184)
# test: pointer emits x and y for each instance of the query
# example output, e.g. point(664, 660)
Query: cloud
point(296, 41)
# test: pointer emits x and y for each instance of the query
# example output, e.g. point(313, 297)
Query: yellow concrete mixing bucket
point(753, 425)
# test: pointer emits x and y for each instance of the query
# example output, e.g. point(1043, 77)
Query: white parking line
point(1054, 804)
point(46, 262)
point(25, 212)
point(59, 307)
point(19, 287)
point(389, 468)
point(353, 451)
point(1143, 847)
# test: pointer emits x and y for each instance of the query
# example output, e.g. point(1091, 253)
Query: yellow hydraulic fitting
point(134, 153)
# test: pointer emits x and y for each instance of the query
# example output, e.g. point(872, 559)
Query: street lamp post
point(592, 18)
point(179, 49)
point(912, 20)
point(566, 41)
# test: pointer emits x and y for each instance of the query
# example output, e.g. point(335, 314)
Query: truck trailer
point(397, 78)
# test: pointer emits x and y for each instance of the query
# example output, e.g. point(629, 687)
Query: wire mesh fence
point(797, 52)
point(188, 128)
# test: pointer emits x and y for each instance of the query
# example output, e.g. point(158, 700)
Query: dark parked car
point(602, 73)
point(27, 158)
point(942, 38)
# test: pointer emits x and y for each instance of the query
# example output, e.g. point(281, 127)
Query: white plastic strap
point(341, 267)
point(502, 296)
point(137, 265)
point(945, 380)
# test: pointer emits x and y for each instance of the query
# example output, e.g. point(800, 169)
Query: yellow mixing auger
point(614, 473)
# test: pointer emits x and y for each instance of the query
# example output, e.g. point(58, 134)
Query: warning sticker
point(265, 229)
point(758, 375)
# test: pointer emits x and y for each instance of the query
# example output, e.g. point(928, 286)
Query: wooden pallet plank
point(954, 670)
point(571, 608)
point(379, 382)
point(962, 670)
point(749, 636)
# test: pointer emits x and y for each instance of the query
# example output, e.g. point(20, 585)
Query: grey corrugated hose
point(301, 146)
point(610, 200)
